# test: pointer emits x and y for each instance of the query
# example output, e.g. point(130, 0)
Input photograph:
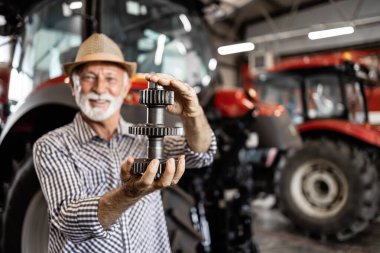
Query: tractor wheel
point(178, 207)
point(328, 188)
point(25, 220)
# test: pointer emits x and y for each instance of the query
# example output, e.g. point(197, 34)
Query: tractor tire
point(178, 206)
point(328, 189)
point(25, 219)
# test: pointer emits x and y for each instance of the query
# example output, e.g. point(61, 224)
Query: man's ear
point(128, 84)
point(71, 85)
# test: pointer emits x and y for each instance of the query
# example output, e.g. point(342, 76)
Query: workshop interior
point(290, 89)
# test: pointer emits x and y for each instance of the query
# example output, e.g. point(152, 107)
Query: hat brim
point(130, 67)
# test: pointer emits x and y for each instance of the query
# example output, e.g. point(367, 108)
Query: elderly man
point(96, 204)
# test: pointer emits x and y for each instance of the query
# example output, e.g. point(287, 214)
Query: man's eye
point(111, 80)
point(88, 78)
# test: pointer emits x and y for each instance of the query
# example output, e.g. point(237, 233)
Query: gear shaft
point(155, 98)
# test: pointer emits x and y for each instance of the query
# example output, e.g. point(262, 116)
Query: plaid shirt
point(76, 167)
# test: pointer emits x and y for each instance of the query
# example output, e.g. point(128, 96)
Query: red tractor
point(212, 210)
point(329, 187)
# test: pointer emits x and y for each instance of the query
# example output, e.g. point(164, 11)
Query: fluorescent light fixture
point(3, 20)
point(75, 5)
point(236, 48)
point(185, 22)
point(331, 33)
point(160, 49)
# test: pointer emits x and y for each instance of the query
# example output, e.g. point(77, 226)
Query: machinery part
point(183, 233)
point(154, 98)
point(328, 189)
point(154, 131)
point(140, 165)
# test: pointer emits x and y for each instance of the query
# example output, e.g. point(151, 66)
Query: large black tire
point(25, 220)
point(328, 188)
point(179, 209)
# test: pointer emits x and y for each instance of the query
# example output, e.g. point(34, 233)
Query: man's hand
point(114, 203)
point(186, 101)
point(137, 186)
point(186, 104)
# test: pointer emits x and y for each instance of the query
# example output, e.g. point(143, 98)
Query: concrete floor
point(275, 234)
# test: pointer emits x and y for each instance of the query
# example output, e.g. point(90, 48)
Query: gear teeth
point(156, 97)
point(140, 165)
point(154, 130)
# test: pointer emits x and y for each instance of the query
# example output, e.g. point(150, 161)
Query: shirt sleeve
point(71, 211)
point(177, 145)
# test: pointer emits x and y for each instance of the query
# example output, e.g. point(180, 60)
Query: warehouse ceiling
point(243, 11)
point(282, 26)
point(273, 25)
point(236, 15)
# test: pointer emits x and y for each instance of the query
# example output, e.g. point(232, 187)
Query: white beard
point(98, 114)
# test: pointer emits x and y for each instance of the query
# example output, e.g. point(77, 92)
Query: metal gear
point(155, 131)
point(141, 164)
point(154, 98)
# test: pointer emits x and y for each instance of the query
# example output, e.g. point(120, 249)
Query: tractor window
point(161, 36)
point(355, 101)
point(283, 90)
point(51, 31)
point(324, 98)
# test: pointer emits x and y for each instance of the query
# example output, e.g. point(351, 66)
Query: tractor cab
point(319, 87)
point(163, 36)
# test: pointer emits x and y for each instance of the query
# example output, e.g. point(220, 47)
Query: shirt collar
point(86, 133)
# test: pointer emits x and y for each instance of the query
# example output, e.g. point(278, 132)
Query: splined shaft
point(155, 98)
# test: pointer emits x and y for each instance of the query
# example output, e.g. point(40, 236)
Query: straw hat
point(99, 47)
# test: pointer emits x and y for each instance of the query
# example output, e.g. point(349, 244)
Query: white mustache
point(105, 96)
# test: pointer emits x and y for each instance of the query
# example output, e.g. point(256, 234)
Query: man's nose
point(100, 85)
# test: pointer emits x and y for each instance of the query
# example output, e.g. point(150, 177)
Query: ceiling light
point(331, 33)
point(75, 5)
point(236, 48)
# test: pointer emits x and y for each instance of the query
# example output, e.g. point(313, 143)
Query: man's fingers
point(150, 172)
point(168, 81)
point(159, 78)
point(167, 176)
point(171, 175)
point(126, 167)
point(179, 170)
point(180, 86)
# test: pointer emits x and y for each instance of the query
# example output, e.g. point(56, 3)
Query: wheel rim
point(35, 229)
point(319, 188)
